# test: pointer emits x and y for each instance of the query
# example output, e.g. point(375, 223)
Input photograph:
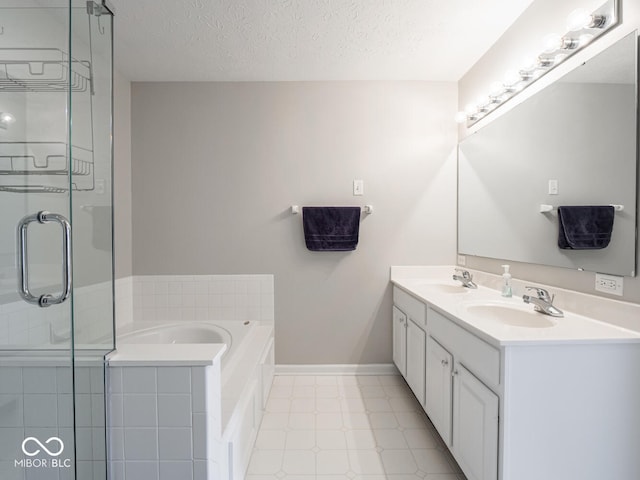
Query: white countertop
point(436, 287)
point(173, 355)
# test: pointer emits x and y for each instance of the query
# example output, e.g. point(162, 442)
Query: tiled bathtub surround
point(202, 297)
point(159, 418)
point(187, 418)
point(175, 412)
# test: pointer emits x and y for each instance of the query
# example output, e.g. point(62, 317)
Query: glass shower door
point(56, 301)
point(91, 211)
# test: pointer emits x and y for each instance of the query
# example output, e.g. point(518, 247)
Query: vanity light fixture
point(6, 119)
point(582, 28)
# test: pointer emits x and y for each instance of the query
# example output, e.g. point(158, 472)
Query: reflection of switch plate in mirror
point(553, 187)
point(100, 187)
point(462, 260)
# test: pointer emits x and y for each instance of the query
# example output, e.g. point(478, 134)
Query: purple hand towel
point(331, 228)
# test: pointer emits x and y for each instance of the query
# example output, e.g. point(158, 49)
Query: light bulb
point(496, 89)
point(511, 78)
point(461, 117)
point(530, 63)
point(552, 42)
point(579, 19)
point(483, 100)
point(471, 109)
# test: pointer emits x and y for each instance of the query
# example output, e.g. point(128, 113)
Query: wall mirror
point(573, 143)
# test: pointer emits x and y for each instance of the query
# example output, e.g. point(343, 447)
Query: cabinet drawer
point(410, 306)
point(475, 354)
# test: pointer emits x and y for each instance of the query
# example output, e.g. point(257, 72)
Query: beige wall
point(122, 175)
point(524, 36)
point(216, 167)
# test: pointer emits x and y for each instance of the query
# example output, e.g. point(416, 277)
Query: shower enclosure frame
point(57, 308)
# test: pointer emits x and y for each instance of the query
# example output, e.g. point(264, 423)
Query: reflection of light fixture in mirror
point(6, 119)
point(583, 28)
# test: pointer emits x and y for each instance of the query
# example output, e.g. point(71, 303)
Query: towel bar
point(368, 209)
point(550, 208)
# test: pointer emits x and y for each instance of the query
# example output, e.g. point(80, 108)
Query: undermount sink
point(511, 315)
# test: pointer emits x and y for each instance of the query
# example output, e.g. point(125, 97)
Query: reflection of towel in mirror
point(585, 227)
point(331, 228)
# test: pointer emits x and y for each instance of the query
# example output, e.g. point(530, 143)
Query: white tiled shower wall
point(195, 297)
point(36, 401)
point(24, 324)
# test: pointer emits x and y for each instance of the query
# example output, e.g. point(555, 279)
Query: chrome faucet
point(543, 303)
point(465, 277)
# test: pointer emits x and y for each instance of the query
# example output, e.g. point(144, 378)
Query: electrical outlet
point(462, 260)
point(609, 284)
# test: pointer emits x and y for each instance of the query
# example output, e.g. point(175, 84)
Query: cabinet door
point(416, 346)
point(475, 426)
point(400, 340)
point(438, 388)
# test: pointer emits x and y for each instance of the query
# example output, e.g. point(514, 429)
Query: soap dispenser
point(506, 277)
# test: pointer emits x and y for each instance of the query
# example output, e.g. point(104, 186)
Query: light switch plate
point(553, 187)
point(358, 187)
point(462, 260)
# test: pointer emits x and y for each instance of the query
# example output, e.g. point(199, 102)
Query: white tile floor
point(347, 428)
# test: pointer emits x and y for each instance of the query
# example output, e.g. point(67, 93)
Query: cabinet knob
point(444, 362)
point(454, 373)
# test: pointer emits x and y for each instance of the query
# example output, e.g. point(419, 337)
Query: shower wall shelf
point(38, 166)
point(45, 167)
point(42, 70)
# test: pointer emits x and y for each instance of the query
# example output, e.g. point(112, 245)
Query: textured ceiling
point(231, 40)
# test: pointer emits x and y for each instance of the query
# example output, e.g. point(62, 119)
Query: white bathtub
point(234, 402)
point(230, 333)
point(176, 333)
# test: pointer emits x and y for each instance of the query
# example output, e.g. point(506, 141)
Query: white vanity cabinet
point(400, 340)
point(462, 408)
point(414, 313)
point(526, 407)
point(518, 395)
point(439, 388)
point(475, 426)
point(416, 351)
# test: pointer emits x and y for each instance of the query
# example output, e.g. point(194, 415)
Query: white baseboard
point(343, 369)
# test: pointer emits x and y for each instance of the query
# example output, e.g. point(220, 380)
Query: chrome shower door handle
point(23, 259)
